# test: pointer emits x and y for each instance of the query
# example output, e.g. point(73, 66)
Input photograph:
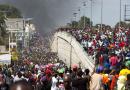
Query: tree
point(122, 24)
point(10, 11)
point(80, 24)
point(128, 25)
point(2, 28)
point(84, 21)
point(6, 11)
point(74, 24)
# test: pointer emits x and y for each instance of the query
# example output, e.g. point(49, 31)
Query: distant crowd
point(111, 51)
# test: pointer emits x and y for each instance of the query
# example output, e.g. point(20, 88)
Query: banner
point(5, 59)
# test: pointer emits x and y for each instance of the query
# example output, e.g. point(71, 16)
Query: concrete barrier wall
point(70, 51)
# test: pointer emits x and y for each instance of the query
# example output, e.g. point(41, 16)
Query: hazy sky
point(49, 14)
point(111, 11)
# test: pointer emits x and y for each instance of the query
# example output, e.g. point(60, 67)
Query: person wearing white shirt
point(54, 82)
point(18, 77)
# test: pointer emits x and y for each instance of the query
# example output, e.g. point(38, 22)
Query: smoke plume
point(47, 14)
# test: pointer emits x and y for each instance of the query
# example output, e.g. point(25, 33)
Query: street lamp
point(75, 14)
point(91, 15)
point(84, 4)
point(79, 17)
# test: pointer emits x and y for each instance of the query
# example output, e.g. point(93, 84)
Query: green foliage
point(2, 25)
point(128, 25)
point(74, 24)
point(2, 28)
point(10, 11)
point(6, 11)
point(122, 24)
point(82, 23)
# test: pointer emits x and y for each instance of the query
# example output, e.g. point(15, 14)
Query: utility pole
point(120, 15)
point(75, 14)
point(23, 34)
point(101, 13)
point(91, 14)
point(125, 15)
point(9, 44)
point(127, 18)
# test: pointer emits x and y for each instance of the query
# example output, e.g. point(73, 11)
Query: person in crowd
point(74, 72)
point(113, 60)
point(21, 85)
point(121, 82)
point(67, 82)
point(127, 83)
point(3, 84)
point(54, 82)
point(18, 77)
point(114, 77)
point(88, 78)
point(37, 66)
point(8, 78)
point(96, 81)
point(79, 83)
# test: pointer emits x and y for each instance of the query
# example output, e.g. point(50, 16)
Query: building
point(20, 31)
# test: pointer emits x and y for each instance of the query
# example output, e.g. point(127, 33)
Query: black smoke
point(47, 14)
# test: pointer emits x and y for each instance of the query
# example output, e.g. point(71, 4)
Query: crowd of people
point(31, 76)
point(41, 69)
point(39, 50)
point(111, 51)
